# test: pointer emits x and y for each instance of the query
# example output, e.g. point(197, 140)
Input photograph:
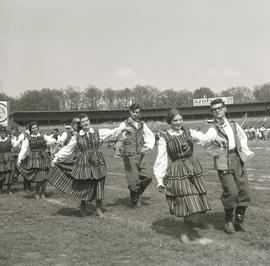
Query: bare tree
point(262, 92)
point(91, 97)
point(240, 94)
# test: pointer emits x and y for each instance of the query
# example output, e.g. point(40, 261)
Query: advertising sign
point(207, 101)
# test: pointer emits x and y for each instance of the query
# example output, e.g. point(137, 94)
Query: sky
point(168, 44)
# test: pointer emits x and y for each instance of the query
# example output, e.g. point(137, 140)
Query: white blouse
point(25, 145)
point(67, 150)
point(161, 162)
point(15, 143)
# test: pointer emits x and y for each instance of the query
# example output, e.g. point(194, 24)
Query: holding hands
point(220, 141)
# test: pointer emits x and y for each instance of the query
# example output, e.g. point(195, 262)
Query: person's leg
point(42, 189)
point(83, 208)
point(38, 186)
point(1, 186)
point(98, 208)
point(145, 174)
point(229, 198)
point(9, 188)
point(244, 197)
point(132, 176)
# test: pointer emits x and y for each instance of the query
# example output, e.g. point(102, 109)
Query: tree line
point(92, 98)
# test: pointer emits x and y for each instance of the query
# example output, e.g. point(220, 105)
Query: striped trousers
point(234, 183)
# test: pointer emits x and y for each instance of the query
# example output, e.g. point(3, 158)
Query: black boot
point(228, 226)
point(239, 218)
point(1, 187)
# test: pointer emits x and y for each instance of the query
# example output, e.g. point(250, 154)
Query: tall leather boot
point(239, 218)
point(228, 226)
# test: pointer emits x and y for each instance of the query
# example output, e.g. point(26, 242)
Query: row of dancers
point(79, 169)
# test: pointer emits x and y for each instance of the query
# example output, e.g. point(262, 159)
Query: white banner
point(207, 101)
point(4, 113)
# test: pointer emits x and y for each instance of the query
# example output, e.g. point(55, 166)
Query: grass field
point(51, 232)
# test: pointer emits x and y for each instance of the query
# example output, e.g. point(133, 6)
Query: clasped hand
point(220, 141)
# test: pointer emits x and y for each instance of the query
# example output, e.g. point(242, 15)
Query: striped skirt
point(7, 162)
point(83, 189)
point(7, 178)
point(184, 188)
point(35, 167)
point(34, 174)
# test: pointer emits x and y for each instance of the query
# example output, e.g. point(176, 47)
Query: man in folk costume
point(135, 144)
point(229, 163)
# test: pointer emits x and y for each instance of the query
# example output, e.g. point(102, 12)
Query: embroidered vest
point(37, 144)
point(133, 142)
point(178, 147)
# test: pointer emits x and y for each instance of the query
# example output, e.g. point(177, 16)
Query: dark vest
point(5, 146)
point(221, 161)
point(133, 142)
point(37, 144)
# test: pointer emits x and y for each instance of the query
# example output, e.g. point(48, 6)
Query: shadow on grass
point(69, 212)
point(215, 219)
point(127, 203)
point(90, 210)
point(175, 228)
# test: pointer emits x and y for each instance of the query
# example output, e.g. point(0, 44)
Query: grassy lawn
point(52, 232)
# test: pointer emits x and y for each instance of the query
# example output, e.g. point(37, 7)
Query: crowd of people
point(73, 163)
point(261, 133)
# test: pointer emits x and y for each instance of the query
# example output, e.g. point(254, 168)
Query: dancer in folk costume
point(71, 130)
point(134, 147)
point(7, 163)
point(34, 159)
point(79, 168)
point(179, 174)
point(230, 165)
point(17, 136)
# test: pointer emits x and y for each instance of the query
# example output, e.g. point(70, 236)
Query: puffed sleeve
point(50, 140)
point(66, 151)
point(61, 139)
point(202, 138)
point(105, 133)
point(24, 150)
point(208, 140)
point(149, 137)
point(161, 163)
point(243, 142)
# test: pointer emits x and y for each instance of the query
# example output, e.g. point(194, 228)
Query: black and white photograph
point(134, 132)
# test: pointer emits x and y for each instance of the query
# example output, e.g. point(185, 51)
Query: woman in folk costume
point(34, 159)
point(71, 130)
point(16, 136)
point(7, 163)
point(82, 175)
point(182, 178)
